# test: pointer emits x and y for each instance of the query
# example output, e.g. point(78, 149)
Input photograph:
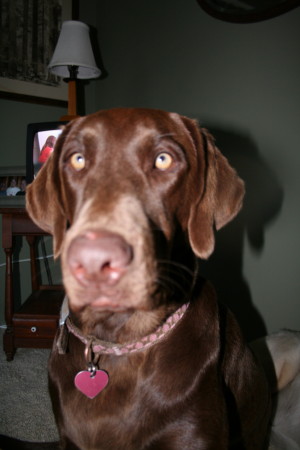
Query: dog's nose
point(99, 257)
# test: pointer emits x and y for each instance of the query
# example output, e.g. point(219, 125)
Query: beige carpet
point(26, 411)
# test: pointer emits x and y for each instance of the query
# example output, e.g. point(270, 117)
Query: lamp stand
point(72, 95)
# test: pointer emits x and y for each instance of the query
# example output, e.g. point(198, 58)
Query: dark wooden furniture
point(34, 324)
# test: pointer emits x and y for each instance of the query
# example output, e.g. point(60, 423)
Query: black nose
point(99, 257)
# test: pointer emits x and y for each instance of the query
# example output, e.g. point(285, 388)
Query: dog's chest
point(147, 394)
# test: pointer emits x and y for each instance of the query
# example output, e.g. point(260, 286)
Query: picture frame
point(245, 11)
point(7, 174)
point(34, 92)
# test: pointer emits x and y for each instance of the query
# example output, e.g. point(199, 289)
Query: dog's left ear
point(221, 197)
point(43, 206)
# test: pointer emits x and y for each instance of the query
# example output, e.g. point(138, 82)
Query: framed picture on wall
point(246, 11)
point(28, 35)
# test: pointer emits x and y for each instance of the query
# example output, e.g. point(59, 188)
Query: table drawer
point(35, 328)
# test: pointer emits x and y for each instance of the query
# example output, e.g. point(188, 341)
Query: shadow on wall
point(262, 203)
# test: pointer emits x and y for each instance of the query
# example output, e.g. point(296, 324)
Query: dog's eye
point(77, 161)
point(163, 161)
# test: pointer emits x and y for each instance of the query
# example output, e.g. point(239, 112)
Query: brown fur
point(200, 387)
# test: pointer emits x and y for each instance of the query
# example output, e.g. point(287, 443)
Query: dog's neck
point(99, 346)
point(122, 327)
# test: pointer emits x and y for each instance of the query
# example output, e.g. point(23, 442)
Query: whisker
point(175, 277)
point(169, 284)
point(176, 265)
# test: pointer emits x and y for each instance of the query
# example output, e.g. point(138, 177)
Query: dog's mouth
point(98, 298)
point(107, 302)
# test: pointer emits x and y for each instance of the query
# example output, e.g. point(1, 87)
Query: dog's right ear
point(44, 202)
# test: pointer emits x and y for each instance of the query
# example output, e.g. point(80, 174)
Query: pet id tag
point(91, 382)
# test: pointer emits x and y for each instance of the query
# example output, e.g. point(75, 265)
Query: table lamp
point(73, 59)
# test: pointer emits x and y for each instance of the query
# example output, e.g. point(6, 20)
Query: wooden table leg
point(33, 266)
point(8, 337)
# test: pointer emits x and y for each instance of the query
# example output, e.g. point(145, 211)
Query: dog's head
point(132, 173)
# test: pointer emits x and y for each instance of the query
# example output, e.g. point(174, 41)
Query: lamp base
point(72, 101)
point(68, 118)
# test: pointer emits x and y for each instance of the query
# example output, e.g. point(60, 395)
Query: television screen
point(41, 139)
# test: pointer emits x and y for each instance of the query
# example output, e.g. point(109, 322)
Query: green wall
point(242, 82)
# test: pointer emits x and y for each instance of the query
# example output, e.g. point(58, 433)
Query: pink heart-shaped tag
point(91, 385)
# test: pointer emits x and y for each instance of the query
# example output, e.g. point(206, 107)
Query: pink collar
point(102, 347)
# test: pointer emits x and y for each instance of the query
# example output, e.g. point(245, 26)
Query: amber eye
point(163, 161)
point(77, 161)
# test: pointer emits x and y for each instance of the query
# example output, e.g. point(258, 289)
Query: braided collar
point(103, 347)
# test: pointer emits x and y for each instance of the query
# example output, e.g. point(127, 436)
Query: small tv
point(41, 139)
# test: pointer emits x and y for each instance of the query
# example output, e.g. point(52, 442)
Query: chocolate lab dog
point(146, 357)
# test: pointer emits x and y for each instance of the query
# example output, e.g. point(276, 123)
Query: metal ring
point(88, 351)
point(92, 369)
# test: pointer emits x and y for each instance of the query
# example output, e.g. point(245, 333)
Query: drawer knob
point(33, 329)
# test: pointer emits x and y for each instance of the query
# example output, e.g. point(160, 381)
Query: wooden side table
point(34, 324)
